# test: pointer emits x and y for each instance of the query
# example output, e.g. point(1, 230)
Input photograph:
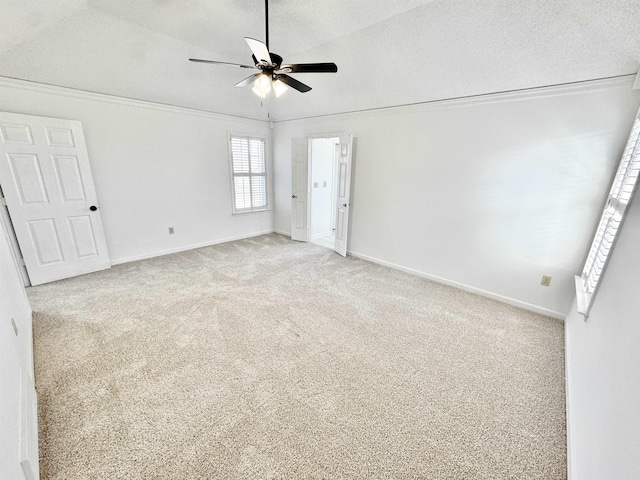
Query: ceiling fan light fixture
point(262, 85)
point(271, 69)
point(279, 87)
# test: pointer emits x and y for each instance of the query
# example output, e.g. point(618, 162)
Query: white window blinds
point(249, 174)
point(619, 198)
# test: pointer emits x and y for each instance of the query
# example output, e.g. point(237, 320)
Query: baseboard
point(444, 281)
point(30, 360)
point(29, 459)
point(159, 253)
point(462, 286)
point(567, 394)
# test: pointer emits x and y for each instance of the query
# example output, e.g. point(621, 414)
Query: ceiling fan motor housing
point(276, 61)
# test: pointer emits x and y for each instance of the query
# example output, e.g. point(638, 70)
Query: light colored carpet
point(328, 241)
point(266, 358)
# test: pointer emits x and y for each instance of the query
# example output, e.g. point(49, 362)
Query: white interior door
point(344, 194)
point(300, 189)
point(47, 182)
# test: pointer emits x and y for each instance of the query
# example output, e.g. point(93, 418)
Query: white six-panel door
point(344, 194)
point(47, 182)
point(300, 189)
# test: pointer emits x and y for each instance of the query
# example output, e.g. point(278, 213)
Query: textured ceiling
point(388, 53)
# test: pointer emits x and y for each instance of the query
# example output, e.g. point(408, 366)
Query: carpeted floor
point(266, 358)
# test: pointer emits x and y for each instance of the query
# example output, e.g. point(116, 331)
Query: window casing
point(624, 185)
point(248, 174)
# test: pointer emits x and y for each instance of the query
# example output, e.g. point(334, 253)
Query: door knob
point(294, 196)
point(344, 204)
point(93, 208)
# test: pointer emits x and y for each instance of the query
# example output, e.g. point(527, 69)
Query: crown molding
point(573, 88)
point(56, 90)
point(622, 81)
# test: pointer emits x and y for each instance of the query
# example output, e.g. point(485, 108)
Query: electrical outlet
point(546, 281)
point(315, 184)
point(324, 184)
point(170, 230)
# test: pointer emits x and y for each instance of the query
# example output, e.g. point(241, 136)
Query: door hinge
point(3, 201)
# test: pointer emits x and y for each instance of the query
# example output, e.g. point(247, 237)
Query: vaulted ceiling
point(387, 52)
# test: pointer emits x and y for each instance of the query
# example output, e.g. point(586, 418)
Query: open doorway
point(332, 190)
point(323, 173)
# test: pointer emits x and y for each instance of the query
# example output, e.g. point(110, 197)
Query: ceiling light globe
point(263, 83)
point(279, 87)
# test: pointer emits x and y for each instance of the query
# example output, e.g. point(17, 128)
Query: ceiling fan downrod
point(266, 15)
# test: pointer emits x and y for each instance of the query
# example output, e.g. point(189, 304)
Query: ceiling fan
point(273, 74)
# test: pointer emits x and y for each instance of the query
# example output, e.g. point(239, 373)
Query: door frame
point(16, 254)
point(309, 137)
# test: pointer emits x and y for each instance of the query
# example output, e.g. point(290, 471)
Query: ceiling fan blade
point(259, 50)
point(310, 68)
point(248, 81)
point(293, 83)
point(220, 63)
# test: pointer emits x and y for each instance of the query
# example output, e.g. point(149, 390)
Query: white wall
point(490, 193)
point(603, 368)
point(153, 166)
point(322, 152)
point(15, 354)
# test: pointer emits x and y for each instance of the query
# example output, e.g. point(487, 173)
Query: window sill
point(250, 211)
point(583, 299)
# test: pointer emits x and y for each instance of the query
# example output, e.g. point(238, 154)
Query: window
point(249, 174)
point(619, 198)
